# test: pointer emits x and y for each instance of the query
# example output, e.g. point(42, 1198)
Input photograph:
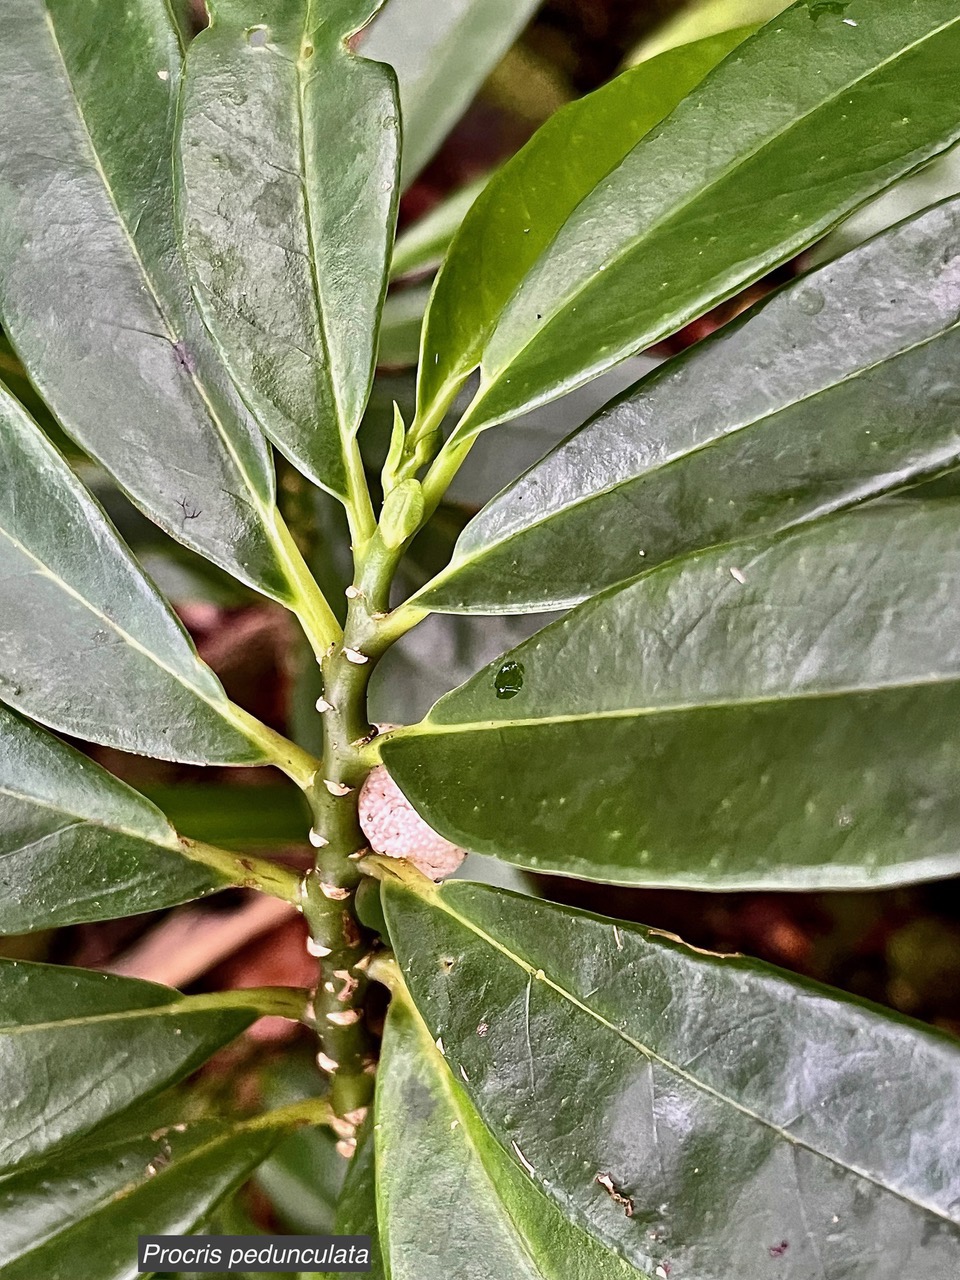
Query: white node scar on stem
point(396, 830)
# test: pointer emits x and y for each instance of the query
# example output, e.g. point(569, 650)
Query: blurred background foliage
point(900, 947)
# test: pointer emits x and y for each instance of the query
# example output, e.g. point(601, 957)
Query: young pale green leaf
point(289, 149)
point(704, 1116)
point(525, 204)
point(423, 245)
point(92, 292)
point(843, 386)
point(446, 1190)
point(777, 714)
point(823, 108)
point(706, 18)
point(78, 1047)
point(76, 844)
point(87, 644)
point(442, 54)
point(80, 1214)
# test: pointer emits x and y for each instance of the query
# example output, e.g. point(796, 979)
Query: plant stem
point(329, 889)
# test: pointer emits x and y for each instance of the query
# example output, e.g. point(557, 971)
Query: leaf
point(806, 121)
point(709, 18)
point(442, 54)
point(525, 204)
point(81, 1214)
point(289, 154)
point(936, 181)
point(87, 644)
point(92, 293)
point(76, 844)
point(769, 714)
point(77, 1047)
point(757, 1125)
point(446, 1190)
point(841, 387)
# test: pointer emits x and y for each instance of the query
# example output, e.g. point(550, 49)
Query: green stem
point(329, 889)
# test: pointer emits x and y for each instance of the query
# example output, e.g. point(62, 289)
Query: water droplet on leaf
point(509, 680)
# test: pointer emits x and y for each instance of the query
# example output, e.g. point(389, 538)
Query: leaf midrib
point(182, 1006)
point(437, 899)
point(82, 820)
point(490, 378)
point(428, 727)
point(128, 1190)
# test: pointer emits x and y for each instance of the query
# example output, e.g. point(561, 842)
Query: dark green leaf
point(76, 844)
point(77, 1047)
point(92, 293)
point(87, 644)
point(525, 204)
point(80, 1215)
point(289, 153)
point(842, 387)
point(753, 1125)
point(779, 713)
point(823, 108)
point(447, 1192)
point(442, 54)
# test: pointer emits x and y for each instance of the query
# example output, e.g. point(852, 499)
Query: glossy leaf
point(442, 54)
point(76, 844)
point(92, 293)
point(289, 153)
point(809, 115)
point(77, 1047)
point(936, 181)
point(841, 387)
point(778, 713)
point(706, 1115)
point(438, 1165)
point(87, 644)
point(525, 204)
point(80, 1215)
